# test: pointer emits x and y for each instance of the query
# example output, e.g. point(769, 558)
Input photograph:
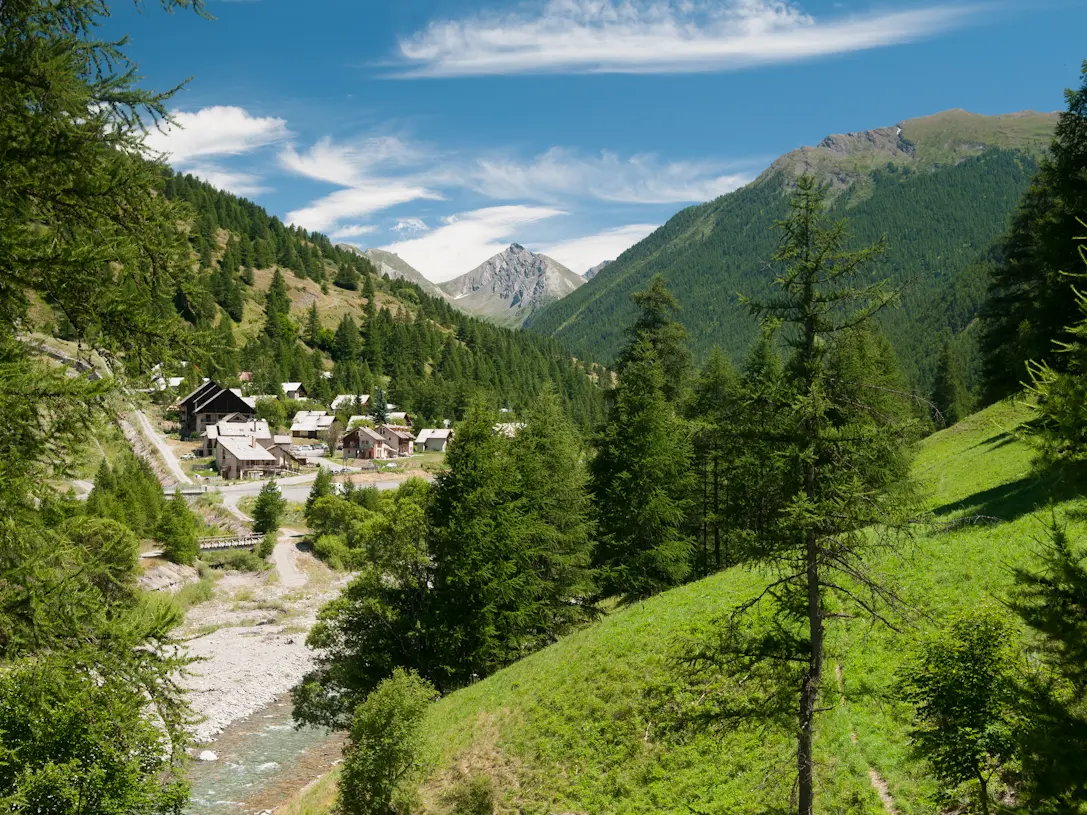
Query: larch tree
point(841, 451)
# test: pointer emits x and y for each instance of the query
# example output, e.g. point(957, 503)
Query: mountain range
point(940, 188)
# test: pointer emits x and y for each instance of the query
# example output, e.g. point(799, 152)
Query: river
point(260, 762)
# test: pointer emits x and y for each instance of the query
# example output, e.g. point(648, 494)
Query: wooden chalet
point(209, 404)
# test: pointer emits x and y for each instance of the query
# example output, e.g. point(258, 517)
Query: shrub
point(332, 549)
point(240, 559)
point(386, 747)
point(471, 795)
point(267, 545)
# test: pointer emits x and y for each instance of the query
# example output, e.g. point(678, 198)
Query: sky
point(444, 131)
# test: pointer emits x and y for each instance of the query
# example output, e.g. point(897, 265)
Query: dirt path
point(164, 451)
point(285, 558)
point(879, 784)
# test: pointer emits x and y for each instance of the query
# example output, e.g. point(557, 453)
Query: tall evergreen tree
point(950, 402)
point(1030, 302)
point(557, 524)
point(843, 455)
point(656, 326)
point(641, 484)
point(268, 509)
point(177, 531)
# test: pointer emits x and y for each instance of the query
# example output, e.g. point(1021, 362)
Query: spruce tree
point(177, 531)
point(322, 488)
point(486, 593)
point(657, 327)
point(379, 407)
point(557, 525)
point(268, 509)
point(641, 485)
point(949, 398)
point(844, 456)
point(311, 334)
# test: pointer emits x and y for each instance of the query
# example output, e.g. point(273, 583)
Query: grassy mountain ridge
point(587, 724)
point(942, 189)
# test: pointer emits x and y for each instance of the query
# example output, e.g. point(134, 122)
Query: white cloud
point(658, 36)
point(640, 179)
point(411, 225)
point(215, 131)
point(325, 214)
point(466, 240)
point(349, 164)
point(581, 254)
point(239, 183)
point(352, 231)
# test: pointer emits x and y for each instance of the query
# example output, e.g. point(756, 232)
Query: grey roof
point(245, 449)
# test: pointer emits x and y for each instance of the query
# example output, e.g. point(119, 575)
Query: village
point(232, 431)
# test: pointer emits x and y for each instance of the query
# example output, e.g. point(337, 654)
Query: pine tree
point(844, 455)
point(379, 407)
point(657, 327)
point(347, 343)
point(641, 485)
point(486, 594)
point(268, 509)
point(177, 531)
point(312, 332)
point(1030, 300)
point(950, 403)
point(557, 525)
point(347, 277)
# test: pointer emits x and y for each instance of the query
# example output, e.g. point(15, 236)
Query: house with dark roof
point(209, 404)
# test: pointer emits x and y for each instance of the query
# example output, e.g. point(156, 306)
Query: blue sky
point(444, 131)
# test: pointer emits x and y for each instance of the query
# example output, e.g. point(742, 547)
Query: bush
point(240, 559)
point(267, 545)
point(384, 754)
point(332, 549)
point(194, 593)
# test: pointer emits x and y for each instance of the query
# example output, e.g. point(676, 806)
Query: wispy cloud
point(658, 36)
point(221, 130)
point(348, 164)
point(352, 231)
point(581, 254)
point(639, 179)
point(237, 182)
point(410, 226)
point(327, 213)
point(465, 240)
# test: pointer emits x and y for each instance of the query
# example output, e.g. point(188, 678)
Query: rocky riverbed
point(251, 640)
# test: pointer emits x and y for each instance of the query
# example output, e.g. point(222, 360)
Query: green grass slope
point(572, 728)
point(577, 728)
point(942, 191)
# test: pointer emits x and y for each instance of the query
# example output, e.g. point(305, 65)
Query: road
point(165, 453)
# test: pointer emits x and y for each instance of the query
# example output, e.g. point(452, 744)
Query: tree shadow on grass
point(1007, 502)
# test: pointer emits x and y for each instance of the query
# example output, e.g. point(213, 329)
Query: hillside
point(388, 263)
point(941, 188)
point(583, 725)
point(511, 286)
point(340, 325)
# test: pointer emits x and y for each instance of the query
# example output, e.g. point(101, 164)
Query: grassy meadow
point(578, 727)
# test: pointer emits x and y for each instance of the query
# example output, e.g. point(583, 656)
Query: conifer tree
point(486, 594)
point(347, 343)
point(268, 509)
point(177, 531)
point(311, 334)
point(347, 277)
point(657, 327)
point(949, 398)
point(641, 485)
point(322, 487)
point(844, 456)
point(557, 525)
point(379, 407)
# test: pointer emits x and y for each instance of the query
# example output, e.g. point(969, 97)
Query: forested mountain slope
point(942, 188)
point(286, 305)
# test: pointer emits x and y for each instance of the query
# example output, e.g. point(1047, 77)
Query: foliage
point(322, 487)
point(1061, 392)
point(268, 509)
point(241, 560)
point(1030, 303)
point(961, 684)
point(177, 531)
point(844, 450)
point(386, 746)
point(950, 400)
point(1050, 596)
point(640, 484)
point(267, 545)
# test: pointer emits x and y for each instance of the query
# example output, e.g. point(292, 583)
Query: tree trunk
point(809, 692)
point(984, 792)
point(716, 511)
